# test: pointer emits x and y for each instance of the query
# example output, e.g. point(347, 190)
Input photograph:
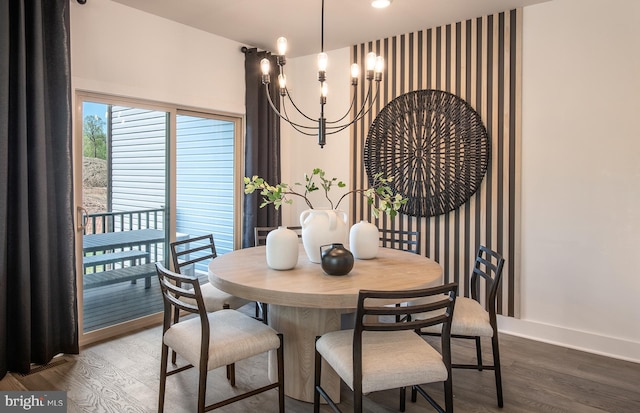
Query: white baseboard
point(579, 340)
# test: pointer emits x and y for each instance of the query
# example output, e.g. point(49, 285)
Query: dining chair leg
point(497, 371)
point(265, 313)
point(231, 374)
point(479, 353)
point(357, 401)
point(202, 388)
point(262, 312)
point(163, 377)
point(316, 381)
point(403, 396)
point(280, 355)
point(448, 395)
point(414, 394)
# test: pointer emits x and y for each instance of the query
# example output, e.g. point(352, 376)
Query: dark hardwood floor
point(121, 375)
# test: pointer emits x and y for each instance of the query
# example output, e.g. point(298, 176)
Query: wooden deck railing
point(122, 264)
point(101, 222)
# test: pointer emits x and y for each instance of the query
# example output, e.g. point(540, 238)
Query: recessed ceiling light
point(381, 4)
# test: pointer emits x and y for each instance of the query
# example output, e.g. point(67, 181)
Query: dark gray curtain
point(38, 312)
point(262, 146)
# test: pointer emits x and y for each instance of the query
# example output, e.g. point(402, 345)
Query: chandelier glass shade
point(320, 126)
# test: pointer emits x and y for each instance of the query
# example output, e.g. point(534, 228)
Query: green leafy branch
point(281, 193)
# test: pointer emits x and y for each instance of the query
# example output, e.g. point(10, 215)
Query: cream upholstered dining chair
point(382, 353)
point(473, 320)
point(188, 252)
point(211, 340)
point(185, 255)
point(260, 238)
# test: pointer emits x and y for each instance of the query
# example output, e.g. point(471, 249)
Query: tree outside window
point(94, 137)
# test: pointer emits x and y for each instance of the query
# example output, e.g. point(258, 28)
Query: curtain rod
point(245, 49)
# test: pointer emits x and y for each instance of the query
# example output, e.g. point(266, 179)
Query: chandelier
point(322, 127)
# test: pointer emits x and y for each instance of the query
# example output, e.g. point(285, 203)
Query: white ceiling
point(258, 23)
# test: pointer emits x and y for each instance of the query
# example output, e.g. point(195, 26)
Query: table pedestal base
point(299, 327)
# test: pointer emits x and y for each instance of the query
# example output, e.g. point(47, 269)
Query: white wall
point(581, 176)
point(119, 50)
point(300, 153)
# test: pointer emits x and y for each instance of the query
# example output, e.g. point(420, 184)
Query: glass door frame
point(81, 96)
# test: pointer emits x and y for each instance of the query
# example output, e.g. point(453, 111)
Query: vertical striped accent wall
point(478, 60)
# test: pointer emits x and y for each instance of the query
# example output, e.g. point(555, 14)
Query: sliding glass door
point(124, 214)
point(140, 163)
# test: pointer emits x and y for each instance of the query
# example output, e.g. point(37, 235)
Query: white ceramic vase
point(364, 239)
point(322, 227)
point(282, 249)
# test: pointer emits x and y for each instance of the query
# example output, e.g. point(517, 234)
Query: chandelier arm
point(353, 101)
point(372, 101)
point(298, 128)
point(337, 129)
point(284, 111)
point(286, 119)
point(340, 128)
point(371, 98)
point(359, 115)
point(273, 107)
point(362, 113)
point(297, 108)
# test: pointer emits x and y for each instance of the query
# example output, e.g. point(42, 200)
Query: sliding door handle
point(82, 217)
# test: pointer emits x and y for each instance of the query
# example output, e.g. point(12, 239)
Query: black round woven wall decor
point(434, 145)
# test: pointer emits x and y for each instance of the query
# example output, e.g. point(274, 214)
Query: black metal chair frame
point(492, 275)
point(209, 249)
point(400, 240)
point(171, 284)
point(175, 254)
point(260, 234)
point(178, 265)
point(367, 319)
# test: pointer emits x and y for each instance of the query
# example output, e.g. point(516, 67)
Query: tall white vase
point(322, 227)
point(282, 249)
point(364, 239)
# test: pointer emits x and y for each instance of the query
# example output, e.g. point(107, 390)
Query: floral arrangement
point(281, 193)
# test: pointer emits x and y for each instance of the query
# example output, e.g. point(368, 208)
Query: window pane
point(204, 180)
point(124, 192)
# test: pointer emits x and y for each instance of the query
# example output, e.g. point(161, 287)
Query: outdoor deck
point(113, 304)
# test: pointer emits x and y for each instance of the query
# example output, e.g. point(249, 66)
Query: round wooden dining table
point(305, 302)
